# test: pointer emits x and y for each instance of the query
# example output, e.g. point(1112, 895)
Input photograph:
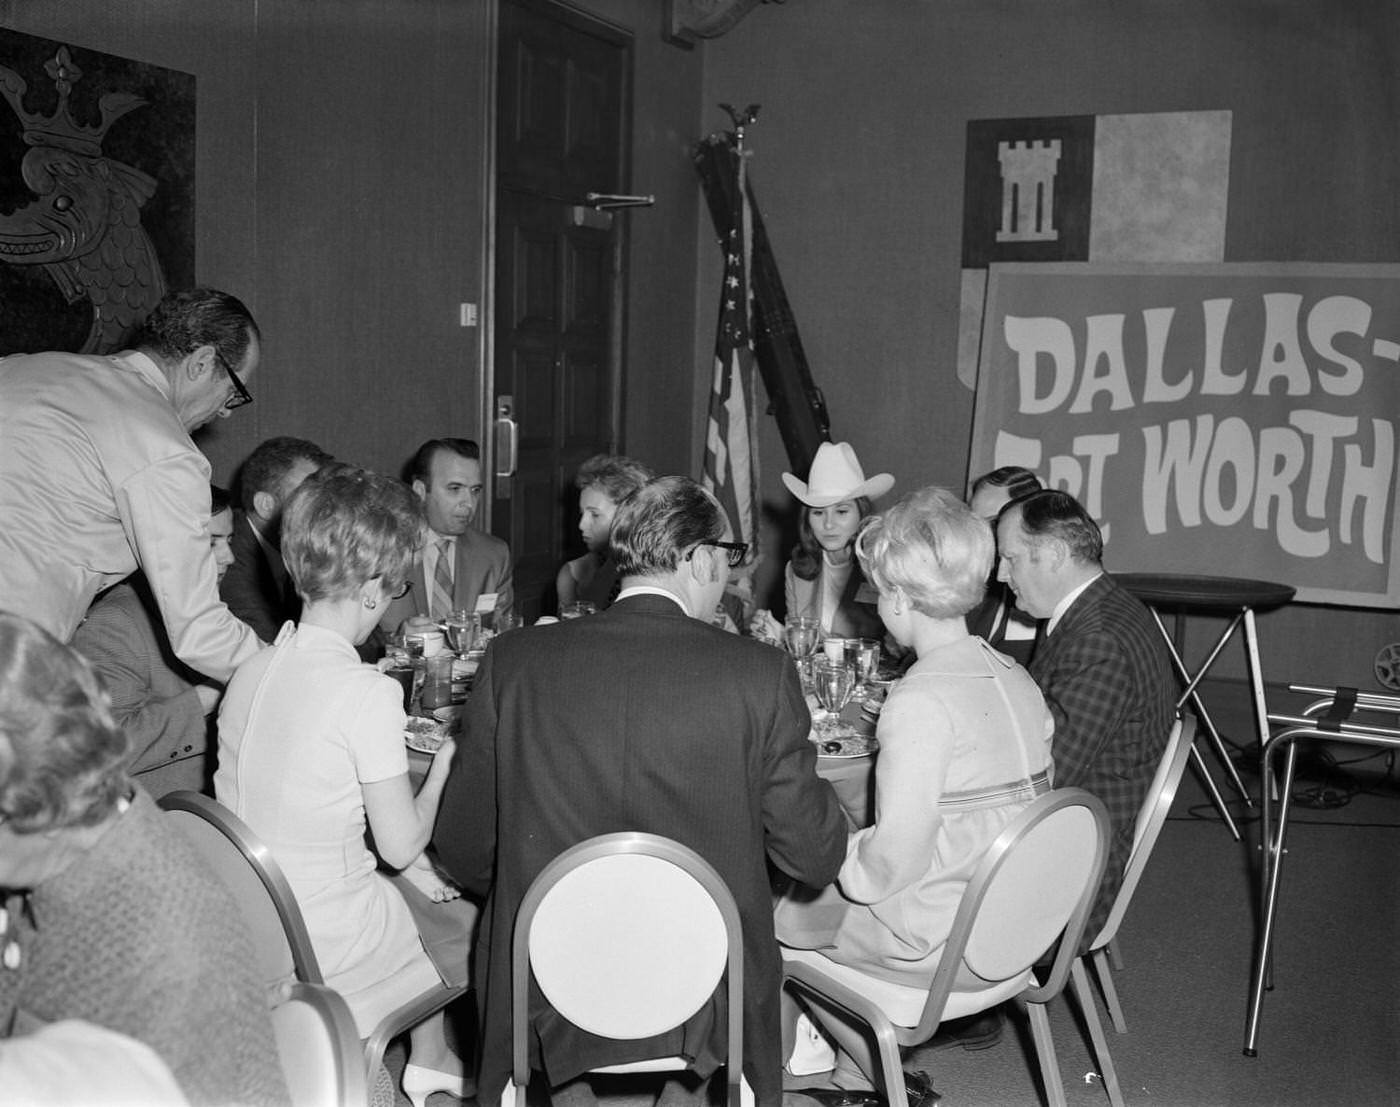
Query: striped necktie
point(441, 606)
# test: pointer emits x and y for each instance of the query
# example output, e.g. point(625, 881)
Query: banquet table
point(852, 778)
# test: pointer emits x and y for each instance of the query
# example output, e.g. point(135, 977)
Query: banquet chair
point(1151, 816)
point(1031, 892)
point(316, 1042)
point(1156, 805)
point(261, 889)
point(627, 936)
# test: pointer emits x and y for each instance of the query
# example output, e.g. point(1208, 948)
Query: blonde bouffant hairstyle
point(933, 548)
point(344, 526)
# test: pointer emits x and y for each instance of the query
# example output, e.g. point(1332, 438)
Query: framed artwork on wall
point(97, 193)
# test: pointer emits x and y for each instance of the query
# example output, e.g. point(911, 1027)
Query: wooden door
point(563, 82)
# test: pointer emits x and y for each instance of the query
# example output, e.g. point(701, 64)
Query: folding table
point(1188, 594)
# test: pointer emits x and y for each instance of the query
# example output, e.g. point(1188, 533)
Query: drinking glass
point(508, 620)
point(578, 609)
point(461, 628)
point(863, 655)
point(802, 635)
point(834, 682)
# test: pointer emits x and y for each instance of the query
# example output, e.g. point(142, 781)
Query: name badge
point(486, 603)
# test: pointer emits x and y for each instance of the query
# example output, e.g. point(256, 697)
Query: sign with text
point(1221, 420)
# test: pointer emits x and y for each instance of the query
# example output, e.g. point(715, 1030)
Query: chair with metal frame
point(628, 935)
point(1329, 719)
point(261, 889)
point(319, 1049)
point(1031, 892)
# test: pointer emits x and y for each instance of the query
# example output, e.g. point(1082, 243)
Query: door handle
point(507, 437)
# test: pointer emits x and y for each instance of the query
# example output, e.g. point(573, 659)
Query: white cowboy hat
point(836, 475)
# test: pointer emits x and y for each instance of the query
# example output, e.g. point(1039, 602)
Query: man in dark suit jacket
point(256, 587)
point(642, 717)
point(446, 474)
point(163, 705)
point(1102, 666)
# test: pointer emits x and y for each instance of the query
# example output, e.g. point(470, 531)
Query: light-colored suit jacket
point(482, 565)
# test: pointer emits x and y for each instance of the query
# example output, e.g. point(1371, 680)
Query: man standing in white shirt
point(99, 476)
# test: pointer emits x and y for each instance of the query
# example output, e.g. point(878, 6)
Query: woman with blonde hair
point(311, 755)
point(964, 747)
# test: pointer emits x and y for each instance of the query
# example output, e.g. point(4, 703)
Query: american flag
point(731, 455)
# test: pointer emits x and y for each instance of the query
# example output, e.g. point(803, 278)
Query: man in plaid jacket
point(1101, 665)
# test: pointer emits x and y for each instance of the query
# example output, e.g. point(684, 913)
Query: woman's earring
point(370, 604)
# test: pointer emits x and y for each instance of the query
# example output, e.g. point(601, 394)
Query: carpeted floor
point(1330, 1032)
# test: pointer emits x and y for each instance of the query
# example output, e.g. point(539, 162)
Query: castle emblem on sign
point(1028, 191)
point(84, 226)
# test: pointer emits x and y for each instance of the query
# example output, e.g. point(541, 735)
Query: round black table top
point(1186, 591)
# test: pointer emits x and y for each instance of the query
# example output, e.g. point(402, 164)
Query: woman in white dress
point(311, 755)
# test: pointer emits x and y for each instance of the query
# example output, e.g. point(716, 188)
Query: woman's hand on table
point(765, 627)
point(426, 877)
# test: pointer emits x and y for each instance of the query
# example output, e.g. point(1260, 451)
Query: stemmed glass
point(834, 683)
point(863, 655)
point(802, 635)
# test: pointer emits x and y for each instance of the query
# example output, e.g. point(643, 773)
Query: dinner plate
point(424, 735)
point(844, 744)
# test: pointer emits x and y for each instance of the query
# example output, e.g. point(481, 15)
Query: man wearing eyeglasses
point(641, 717)
point(99, 476)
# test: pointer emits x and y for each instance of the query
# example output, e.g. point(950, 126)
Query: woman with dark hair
point(822, 579)
point(311, 755)
point(603, 481)
point(106, 913)
point(964, 747)
point(997, 619)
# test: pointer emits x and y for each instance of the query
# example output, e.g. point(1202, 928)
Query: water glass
point(436, 690)
point(508, 620)
point(462, 628)
point(833, 682)
point(802, 634)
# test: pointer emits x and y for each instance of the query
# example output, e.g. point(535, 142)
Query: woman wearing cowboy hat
point(823, 579)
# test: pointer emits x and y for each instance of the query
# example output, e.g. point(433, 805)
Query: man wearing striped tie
point(460, 565)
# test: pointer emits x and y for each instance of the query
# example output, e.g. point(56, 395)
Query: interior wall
point(858, 168)
point(342, 192)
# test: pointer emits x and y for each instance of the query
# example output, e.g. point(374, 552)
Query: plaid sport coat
point(1107, 679)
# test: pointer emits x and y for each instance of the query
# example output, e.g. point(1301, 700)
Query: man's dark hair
point(421, 466)
point(1055, 514)
point(219, 499)
point(270, 462)
point(659, 522)
point(193, 317)
point(1018, 481)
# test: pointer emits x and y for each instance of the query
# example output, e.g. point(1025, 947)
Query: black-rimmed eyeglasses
point(241, 395)
point(735, 550)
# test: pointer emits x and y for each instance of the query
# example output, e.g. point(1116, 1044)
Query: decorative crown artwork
point(60, 129)
point(96, 194)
